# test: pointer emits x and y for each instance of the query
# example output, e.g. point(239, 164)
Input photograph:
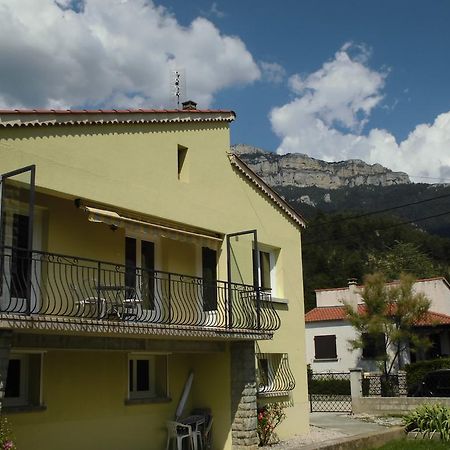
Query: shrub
point(429, 419)
point(269, 417)
point(416, 372)
point(330, 387)
point(6, 436)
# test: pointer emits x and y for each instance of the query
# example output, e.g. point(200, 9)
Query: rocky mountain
point(296, 169)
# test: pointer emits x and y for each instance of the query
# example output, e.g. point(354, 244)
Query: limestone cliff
point(296, 169)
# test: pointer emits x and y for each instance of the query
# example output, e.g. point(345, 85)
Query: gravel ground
point(317, 434)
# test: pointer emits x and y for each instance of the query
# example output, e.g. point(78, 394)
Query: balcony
point(274, 375)
point(87, 295)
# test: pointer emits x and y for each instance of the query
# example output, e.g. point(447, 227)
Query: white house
point(328, 332)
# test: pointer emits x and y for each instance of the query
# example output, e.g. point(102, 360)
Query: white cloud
point(115, 53)
point(272, 72)
point(331, 109)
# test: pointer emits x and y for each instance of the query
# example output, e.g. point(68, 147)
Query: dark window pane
point(20, 262)
point(131, 374)
point(142, 375)
point(264, 371)
point(373, 346)
point(130, 264)
point(325, 347)
point(148, 275)
point(13, 379)
point(209, 271)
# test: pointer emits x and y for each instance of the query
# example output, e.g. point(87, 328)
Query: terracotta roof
point(434, 318)
point(266, 189)
point(330, 313)
point(48, 117)
point(326, 313)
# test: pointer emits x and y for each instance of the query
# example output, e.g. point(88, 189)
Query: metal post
point(169, 280)
point(30, 236)
point(228, 305)
point(256, 281)
point(99, 305)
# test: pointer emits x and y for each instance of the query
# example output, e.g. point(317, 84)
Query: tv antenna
point(178, 85)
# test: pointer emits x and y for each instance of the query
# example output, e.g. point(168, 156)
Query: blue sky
point(409, 38)
point(333, 79)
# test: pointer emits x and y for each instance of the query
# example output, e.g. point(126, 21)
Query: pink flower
point(8, 445)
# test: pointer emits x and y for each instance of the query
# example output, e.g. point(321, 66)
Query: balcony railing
point(48, 284)
point(274, 374)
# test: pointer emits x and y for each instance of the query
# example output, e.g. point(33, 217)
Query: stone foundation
point(243, 396)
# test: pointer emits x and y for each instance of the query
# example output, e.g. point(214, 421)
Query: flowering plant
point(6, 436)
point(269, 417)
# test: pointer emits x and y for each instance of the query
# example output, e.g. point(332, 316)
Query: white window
point(23, 382)
point(267, 269)
point(147, 376)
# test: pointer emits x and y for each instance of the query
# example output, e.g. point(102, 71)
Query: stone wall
point(243, 396)
point(392, 405)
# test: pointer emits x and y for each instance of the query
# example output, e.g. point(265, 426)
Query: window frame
point(274, 255)
point(24, 398)
point(328, 357)
point(151, 393)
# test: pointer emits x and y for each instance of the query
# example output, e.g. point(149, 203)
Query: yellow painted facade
point(133, 168)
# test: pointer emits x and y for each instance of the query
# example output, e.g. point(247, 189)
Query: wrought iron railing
point(274, 374)
point(41, 283)
point(385, 386)
point(329, 392)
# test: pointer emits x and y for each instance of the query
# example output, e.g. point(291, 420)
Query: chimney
point(189, 105)
point(352, 293)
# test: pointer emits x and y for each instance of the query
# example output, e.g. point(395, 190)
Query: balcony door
point(209, 286)
point(140, 279)
point(17, 263)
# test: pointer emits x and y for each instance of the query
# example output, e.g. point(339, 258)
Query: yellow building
point(118, 228)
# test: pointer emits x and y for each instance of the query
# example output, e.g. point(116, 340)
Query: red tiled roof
point(113, 111)
point(329, 313)
point(326, 313)
point(60, 117)
point(434, 318)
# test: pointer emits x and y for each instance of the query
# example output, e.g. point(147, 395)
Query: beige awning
point(150, 229)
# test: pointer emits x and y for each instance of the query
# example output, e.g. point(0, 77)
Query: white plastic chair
point(176, 432)
point(206, 437)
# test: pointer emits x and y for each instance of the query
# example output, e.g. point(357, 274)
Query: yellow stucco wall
point(134, 167)
point(85, 392)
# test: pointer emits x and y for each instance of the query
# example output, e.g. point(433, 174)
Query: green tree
point(391, 313)
point(403, 257)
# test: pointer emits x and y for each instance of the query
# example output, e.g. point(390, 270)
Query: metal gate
point(329, 392)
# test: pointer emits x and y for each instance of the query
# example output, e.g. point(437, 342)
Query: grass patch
point(415, 445)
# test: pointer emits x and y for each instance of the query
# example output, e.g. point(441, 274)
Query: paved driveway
point(343, 423)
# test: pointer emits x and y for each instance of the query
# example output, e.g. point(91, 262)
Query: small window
point(147, 376)
point(23, 381)
point(325, 347)
point(267, 261)
point(182, 169)
point(264, 264)
point(374, 347)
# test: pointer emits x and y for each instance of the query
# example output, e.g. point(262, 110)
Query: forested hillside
point(337, 247)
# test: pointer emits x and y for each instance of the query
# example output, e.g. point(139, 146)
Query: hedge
point(338, 387)
point(416, 372)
